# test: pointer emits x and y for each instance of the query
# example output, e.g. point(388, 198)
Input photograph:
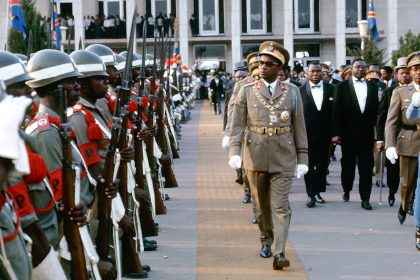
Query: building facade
point(312, 30)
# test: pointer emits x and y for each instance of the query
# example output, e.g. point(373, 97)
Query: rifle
point(29, 48)
point(71, 230)
point(160, 207)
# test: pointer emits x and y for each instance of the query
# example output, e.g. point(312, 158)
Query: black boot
point(418, 238)
point(401, 215)
point(239, 177)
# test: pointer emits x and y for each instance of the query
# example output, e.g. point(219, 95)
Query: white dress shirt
point(271, 87)
point(361, 92)
point(317, 93)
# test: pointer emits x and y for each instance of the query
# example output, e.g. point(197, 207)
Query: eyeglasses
point(269, 64)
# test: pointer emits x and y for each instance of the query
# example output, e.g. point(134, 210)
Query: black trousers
point(316, 178)
point(360, 154)
point(392, 175)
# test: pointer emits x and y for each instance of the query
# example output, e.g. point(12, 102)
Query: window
point(209, 17)
point(306, 53)
point(161, 6)
point(256, 15)
point(249, 48)
point(112, 8)
point(355, 11)
point(306, 16)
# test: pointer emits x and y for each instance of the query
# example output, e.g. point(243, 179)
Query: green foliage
point(372, 54)
point(408, 44)
point(16, 43)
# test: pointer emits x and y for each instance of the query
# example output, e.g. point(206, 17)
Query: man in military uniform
point(268, 130)
point(392, 170)
point(404, 144)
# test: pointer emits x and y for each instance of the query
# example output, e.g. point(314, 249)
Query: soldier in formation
point(76, 154)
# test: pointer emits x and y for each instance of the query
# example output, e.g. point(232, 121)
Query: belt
point(270, 130)
point(411, 127)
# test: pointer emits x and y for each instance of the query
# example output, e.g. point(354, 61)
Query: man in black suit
point(392, 170)
point(317, 98)
point(387, 75)
point(284, 76)
point(355, 111)
point(216, 86)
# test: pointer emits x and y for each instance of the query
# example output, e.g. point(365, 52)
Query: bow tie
point(316, 86)
point(360, 81)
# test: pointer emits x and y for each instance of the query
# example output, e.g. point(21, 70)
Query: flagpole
point(7, 25)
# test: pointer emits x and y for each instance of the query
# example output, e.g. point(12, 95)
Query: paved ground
point(207, 233)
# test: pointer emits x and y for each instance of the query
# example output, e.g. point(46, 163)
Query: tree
point(16, 43)
point(372, 54)
point(408, 44)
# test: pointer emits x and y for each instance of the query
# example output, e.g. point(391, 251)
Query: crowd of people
point(84, 162)
point(282, 124)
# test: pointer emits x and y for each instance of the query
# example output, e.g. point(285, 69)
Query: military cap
point(89, 64)
point(12, 69)
point(346, 70)
point(106, 54)
point(120, 63)
point(413, 59)
point(401, 63)
point(240, 66)
point(252, 58)
point(373, 72)
point(22, 57)
point(275, 50)
point(255, 72)
point(137, 60)
point(49, 66)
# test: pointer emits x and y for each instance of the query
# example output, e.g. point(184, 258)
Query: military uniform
point(271, 131)
point(406, 141)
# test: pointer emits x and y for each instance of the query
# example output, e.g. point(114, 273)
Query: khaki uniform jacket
point(406, 141)
point(263, 152)
point(236, 88)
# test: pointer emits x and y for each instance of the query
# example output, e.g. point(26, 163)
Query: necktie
point(269, 89)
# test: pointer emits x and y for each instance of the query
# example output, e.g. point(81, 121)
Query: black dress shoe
point(146, 267)
point(135, 275)
point(319, 199)
point(145, 240)
point(310, 202)
point(401, 215)
point(280, 261)
point(149, 246)
point(254, 219)
point(418, 238)
point(346, 196)
point(391, 200)
point(366, 205)
point(247, 198)
point(265, 251)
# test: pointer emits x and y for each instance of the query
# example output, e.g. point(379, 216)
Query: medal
point(284, 116)
point(273, 119)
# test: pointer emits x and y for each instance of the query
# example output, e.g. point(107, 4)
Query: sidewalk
point(207, 233)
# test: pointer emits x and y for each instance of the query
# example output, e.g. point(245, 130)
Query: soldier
point(49, 68)
point(346, 73)
point(15, 259)
point(413, 113)
point(392, 170)
point(268, 124)
point(404, 143)
point(317, 97)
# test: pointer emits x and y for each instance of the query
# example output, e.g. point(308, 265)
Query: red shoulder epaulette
point(94, 131)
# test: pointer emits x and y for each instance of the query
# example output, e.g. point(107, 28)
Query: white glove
point(391, 155)
point(416, 99)
point(235, 162)
point(225, 142)
point(301, 170)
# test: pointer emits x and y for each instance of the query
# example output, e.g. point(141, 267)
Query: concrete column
point(236, 31)
point(340, 33)
point(392, 29)
point(183, 28)
point(130, 4)
point(79, 30)
point(121, 8)
point(288, 29)
point(4, 23)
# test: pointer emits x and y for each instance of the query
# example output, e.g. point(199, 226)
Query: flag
point(17, 20)
point(372, 21)
point(55, 27)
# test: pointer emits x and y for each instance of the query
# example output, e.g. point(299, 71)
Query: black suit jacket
point(318, 123)
point(383, 112)
point(217, 89)
point(354, 127)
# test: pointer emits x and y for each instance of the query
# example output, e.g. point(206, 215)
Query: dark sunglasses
point(269, 64)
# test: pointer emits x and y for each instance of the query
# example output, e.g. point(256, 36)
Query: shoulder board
point(251, 83)
point(410, 87)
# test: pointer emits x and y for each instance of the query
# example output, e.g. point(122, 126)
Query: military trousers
point(408, 169)
point(270, 191)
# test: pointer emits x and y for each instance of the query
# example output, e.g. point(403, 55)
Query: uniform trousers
point(417, 201)
point(362, 155)
point(409, 169)
point(270, 191)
